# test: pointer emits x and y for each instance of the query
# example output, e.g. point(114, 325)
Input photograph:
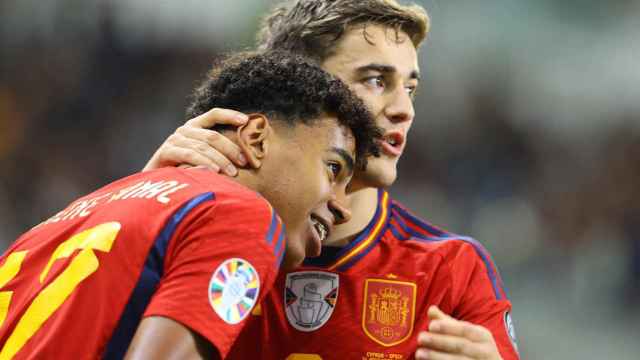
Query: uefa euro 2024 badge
point(234, 289)
point(310, 297)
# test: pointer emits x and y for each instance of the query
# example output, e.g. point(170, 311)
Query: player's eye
point(334, 168)
point(375, 81)
point(411, 90)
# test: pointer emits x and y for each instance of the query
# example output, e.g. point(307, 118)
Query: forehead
point(326, 133)
point(364, 45)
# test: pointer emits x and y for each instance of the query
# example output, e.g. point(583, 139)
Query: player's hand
point(194, 144)
point(451, 339)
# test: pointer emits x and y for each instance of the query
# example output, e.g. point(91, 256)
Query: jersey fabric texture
point(77, 285)
point(369, 300)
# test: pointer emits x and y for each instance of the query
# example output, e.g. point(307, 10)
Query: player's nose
point(341, 214)
point(400, 106)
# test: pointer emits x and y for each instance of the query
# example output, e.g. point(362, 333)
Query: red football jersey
point(369, 300)
point(186, 244)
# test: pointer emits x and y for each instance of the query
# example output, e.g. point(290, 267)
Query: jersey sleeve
point(481, 297)
point(219, 264)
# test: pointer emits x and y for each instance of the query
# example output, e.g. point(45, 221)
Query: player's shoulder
point(422, 240)
point(419, 235)
point(242, 213)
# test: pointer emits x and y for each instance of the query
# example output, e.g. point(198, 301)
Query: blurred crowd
point(80, 110)
point(554, 197)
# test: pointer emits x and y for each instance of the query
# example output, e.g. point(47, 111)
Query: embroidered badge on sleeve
point(234, 289)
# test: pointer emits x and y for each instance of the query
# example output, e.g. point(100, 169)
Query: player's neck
point(363, 204)
point(249, 180)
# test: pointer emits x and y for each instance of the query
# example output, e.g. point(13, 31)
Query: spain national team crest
point(234, 289)
point(309, 298)
point(389, 310)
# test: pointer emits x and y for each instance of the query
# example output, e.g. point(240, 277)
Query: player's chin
point(381, 172)
point(293, 256)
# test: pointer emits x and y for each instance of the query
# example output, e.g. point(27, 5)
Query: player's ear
point(253, 139)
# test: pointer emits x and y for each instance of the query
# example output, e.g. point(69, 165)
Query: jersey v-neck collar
point(342, 258)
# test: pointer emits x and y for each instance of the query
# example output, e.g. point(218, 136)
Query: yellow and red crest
point(389, 310)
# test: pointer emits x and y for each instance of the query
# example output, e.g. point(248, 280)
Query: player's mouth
point(392, 143)
point(320, 230)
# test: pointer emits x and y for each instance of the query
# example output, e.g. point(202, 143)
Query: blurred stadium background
point(527, 135)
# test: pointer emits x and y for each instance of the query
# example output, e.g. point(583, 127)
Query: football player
point(387, 275)
point(169, 263)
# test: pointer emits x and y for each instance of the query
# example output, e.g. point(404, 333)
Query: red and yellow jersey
point(186, 244)
point(369, 300)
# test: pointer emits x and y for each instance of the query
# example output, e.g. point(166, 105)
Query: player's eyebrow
point(386, 69)
point(348, 159)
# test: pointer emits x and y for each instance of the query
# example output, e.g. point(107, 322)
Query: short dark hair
point(289, 88)
point(313, 27)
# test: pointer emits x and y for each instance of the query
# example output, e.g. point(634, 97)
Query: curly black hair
point(289, 88)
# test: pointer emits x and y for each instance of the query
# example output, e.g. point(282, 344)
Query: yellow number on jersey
point(8, 271)
point(100, 238)
point(303, 357)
